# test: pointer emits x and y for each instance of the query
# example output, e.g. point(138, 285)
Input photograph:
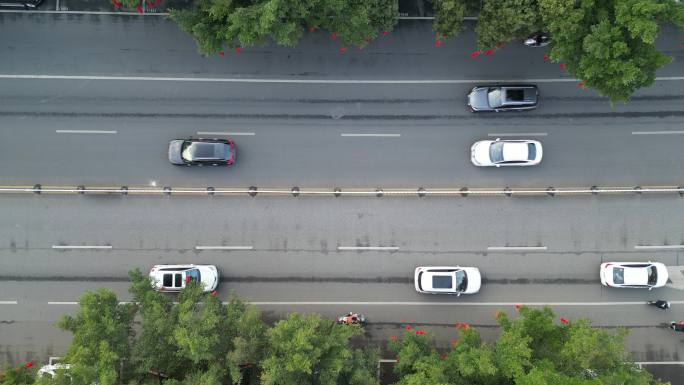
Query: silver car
point(499, 98)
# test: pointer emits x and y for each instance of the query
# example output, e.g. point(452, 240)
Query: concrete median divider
point(375, 192)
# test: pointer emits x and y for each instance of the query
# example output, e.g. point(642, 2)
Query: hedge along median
point(376, 192)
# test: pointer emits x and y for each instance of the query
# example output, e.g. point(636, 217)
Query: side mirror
point(650, 288)
point(497, 139)
point(458, 294)
point(498, 165)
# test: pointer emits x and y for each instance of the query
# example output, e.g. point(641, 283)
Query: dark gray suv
point(503, 97)
point(198, 152)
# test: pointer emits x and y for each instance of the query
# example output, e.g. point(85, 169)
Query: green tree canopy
point(448, 18)
point(501, 21)
point(155, 349)
point(102, 332)
point(231, 23)
point(609, 44)
point(306, 350)
point(18, 376)
point(532, 349)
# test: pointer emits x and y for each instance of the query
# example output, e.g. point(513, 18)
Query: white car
point(646, 275)
point(174, 277)
point(52, 369)
point(488, 153)
point(447, 280)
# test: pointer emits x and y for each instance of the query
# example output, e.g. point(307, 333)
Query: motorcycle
point(352, 319)
point(539, 39)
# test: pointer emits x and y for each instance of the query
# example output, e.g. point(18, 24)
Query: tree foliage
point(609, 44)
point(501, 21)
point(17, 376)
point(200, 341)
point(531, 349)
point(154, 349)
point(448, 18)
point(102, 332)
point(305, 349)
point(232, 23)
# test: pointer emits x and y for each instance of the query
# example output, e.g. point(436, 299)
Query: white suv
point(174, 277)
point(447, 280)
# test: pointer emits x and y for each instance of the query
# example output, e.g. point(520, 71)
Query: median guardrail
point(378, 192)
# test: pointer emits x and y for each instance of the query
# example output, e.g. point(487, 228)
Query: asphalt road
point(295, 138)
point(293, 145)
point(295, 258)
point(105, 44)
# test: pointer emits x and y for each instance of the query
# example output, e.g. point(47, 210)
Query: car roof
point(516, 151)
point(446, 283)
point(207, 150)
point(174, 267)
point(636, 275)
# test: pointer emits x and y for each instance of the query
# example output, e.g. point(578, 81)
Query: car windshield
point(494, 97)
point(619, 275)
point(496, 152)
point(652, 275)
point(186, 154)
point(531, 151)
point(442, 281)
point(193, 274)
point(461, 280)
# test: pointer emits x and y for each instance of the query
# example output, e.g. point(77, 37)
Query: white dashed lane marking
point(85, 132)
point(80, 247)
point(516, 248)
point(371, 135)
point(224, 247)
point(226, 133)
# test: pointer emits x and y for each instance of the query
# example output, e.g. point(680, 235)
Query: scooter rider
point(660, 304)
point(677, 326)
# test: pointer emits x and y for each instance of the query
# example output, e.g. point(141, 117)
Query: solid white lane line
point(226, 133)
point(373, 248)
point(224, 247)
point(651, 247)
point(80, 247)
point(657, 132)
point(659, 362)
point(371, 135)
point(293, 81)
point(513, 248)
point(8, 302)
point(520, 134)
point(302, 81)
point(399, 303)
point(85, 132)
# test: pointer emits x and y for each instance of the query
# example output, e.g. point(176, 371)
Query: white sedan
point(447, 280)
point(488, 153)
point(174, 277)
point(645, 275)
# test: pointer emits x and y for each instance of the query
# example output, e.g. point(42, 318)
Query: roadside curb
point(378, 192)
